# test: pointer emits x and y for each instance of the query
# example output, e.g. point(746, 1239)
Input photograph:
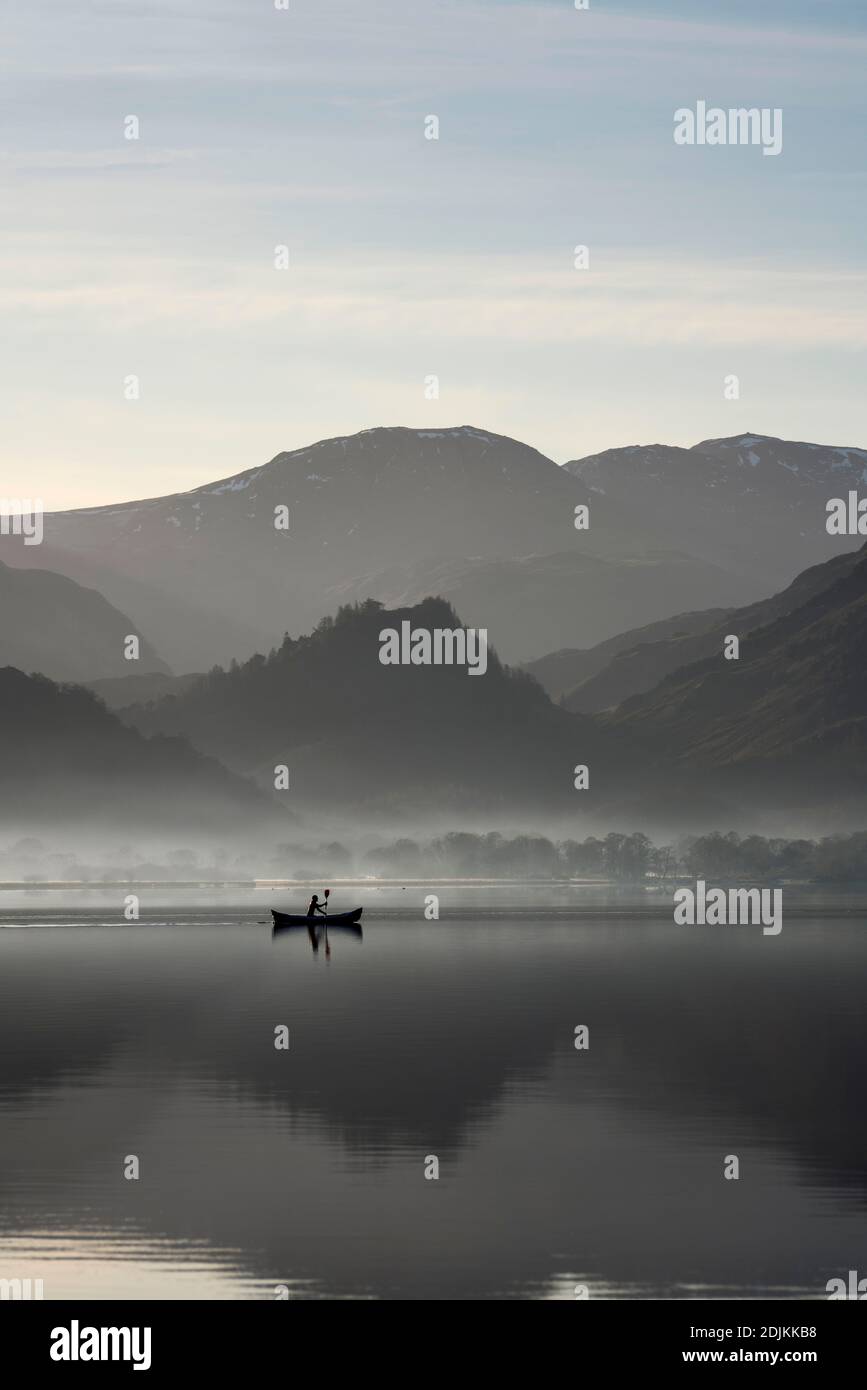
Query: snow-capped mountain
point(223, 570)
point(752, 502)
point(211, 577)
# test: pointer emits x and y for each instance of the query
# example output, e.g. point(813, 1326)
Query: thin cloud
point(484, 299)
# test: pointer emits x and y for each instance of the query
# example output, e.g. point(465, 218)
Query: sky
point(409, 257)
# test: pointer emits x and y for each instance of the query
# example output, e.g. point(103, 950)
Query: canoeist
point(315, 906)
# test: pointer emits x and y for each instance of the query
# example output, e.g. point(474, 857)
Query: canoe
point(334, 919)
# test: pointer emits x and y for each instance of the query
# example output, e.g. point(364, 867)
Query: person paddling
point(316, 906)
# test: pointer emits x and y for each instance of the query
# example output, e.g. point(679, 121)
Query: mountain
point(208, 575)
point(483, 520)
point(782, 727)
point(752, 503)
point(50, 624)
point(529, 603)
point(67, 761)
point(355, 733)
point(639, 665)
point(564, 672)
point(791, 713)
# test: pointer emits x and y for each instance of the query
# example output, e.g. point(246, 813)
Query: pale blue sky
point(411, 257)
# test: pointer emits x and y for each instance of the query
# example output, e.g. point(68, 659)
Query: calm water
point(453, 1038)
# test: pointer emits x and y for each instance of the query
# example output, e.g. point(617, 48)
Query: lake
point(303, 1169)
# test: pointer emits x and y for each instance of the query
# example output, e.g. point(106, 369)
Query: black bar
point(239, 1338)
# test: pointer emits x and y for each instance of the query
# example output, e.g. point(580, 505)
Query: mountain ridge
point(209, 574)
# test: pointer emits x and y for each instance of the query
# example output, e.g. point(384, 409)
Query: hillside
point(50, 624)
point(67, 761)
point(792, 710)
point(563, 672)
point(427, 739)
point(354, 732)
point(638, 667)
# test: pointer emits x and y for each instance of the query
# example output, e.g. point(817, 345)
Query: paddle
point(327, 946)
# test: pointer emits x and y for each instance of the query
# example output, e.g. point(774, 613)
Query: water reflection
point(318, 932)
point(306, 1167)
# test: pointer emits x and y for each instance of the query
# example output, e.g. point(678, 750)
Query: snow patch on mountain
point(236, 484)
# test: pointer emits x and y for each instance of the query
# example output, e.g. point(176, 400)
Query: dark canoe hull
point(335, 919)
